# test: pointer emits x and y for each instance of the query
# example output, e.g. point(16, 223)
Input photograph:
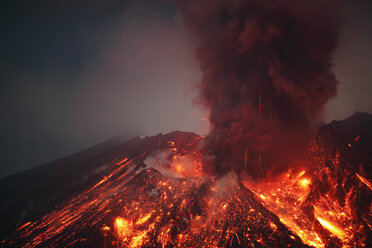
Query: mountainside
point(31, 194)
point(150, 192)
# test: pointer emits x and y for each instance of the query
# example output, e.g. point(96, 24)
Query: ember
point(328, 203)
point(139, 206)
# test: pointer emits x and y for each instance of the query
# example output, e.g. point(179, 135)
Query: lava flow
point(154, 201)
point(161, 198)
point(324, 200)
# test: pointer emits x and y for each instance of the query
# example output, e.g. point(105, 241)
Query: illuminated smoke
point(266, 77)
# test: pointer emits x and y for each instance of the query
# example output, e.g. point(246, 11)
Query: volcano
point(151, 192)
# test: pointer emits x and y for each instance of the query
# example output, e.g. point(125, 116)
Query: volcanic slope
point(151, 192)
point(137, 206)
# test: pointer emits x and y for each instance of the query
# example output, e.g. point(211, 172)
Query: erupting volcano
point(268, 174)
point(154, 193)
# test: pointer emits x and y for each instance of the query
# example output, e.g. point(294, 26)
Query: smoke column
point(266, 77)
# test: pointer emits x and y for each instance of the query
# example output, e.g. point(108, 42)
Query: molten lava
point(154, 200)
point(319, 204)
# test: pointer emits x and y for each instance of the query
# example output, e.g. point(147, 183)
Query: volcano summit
point(150, 192)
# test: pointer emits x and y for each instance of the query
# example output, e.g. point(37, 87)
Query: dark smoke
point(266, 77)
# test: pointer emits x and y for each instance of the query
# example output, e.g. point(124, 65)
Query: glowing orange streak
point(144, 219)
point(99, 183)
point(237, 238)
point(24, 225)
point(286, 210)
point(336, 231)
point(122, 165)
point(365, 181)
point(122, 161)
point(205, 119)
point(58, 221)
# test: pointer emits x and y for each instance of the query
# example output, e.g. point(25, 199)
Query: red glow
point(138, 207)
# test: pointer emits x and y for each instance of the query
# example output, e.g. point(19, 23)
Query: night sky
point(75, 73)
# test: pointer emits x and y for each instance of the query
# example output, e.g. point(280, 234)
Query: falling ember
point(365, 181)
point(24, 225)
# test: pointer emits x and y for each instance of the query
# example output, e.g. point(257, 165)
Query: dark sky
point(74, 73)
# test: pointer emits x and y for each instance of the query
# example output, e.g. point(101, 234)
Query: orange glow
point(206, 120)
point(105, 228)
point(181, 165)
point(143, 219)
point(161, 212)
point(365, 181)
point(137, 241)
point(301, 173)
point(288, 197)
point(123, 228)
point(333, 229)
point(24, 225)
point(305, 182)
point(178, 168)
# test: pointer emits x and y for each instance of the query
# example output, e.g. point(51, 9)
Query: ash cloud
point(266, 78)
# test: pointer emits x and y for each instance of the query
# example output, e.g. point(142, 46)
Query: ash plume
point(266, 77)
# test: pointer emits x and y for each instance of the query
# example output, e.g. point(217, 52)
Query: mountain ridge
point(29, 201)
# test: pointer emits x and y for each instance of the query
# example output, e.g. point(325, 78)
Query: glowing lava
point(162, 199)
point(318, 204)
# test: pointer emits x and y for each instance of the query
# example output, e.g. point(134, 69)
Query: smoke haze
point(132, 73)
point(266, 77)
point(73, 74)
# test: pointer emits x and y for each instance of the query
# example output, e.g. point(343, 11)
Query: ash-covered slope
point(150, 192)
